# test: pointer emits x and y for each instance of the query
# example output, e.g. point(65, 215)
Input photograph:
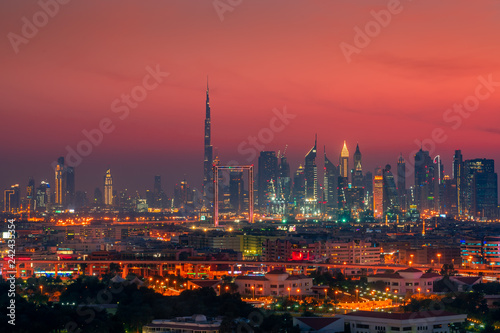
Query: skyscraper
point(390, 193)
point(331, 183)
point(31, 195)
point(208, 158)
point(236, 191)
point(311, 174)
point(268, 167)
point(368, 184)
point(378, 194)
point(449, 198)
point(60, 187)
point(69, 177)
point(344, 163)
point(480, 188)
point(401, 182)
point(97, 196)
point(425, 181)
point(182, 194)
point(108, 188)
point(357, 179)
point(299, 186)
point(43, 196)
point(284, 180)
point(157, 198)
point(458, 169)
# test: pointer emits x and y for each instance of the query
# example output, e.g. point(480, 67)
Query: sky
point(383, 74)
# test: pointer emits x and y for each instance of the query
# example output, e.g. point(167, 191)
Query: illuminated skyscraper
point(401, 182)
point(30, 195)
point(43, 196)
point(108, 188)
point(480, 188)
point(378, 194)
point(208, 158)
point(60, 187)
point(311, 174)
point(357, 179)
point(425, 181)
point(390, 193)
point(267, 172)
point(284, 180)
point(299, 186)
point(458, 170)
point(331, 183)
point(344, 162)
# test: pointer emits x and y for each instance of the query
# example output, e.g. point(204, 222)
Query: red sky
point(263, 55)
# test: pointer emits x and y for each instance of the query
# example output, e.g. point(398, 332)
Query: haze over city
point(395, 91)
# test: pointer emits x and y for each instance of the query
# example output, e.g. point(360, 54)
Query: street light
point(439, 258)
point(326, 290)
point(253, 292)
point(288, 291)
point(357, 295)
point(418, 291)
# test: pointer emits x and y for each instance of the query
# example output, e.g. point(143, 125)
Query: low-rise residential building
point(410, 280)
point(196, 323)
point(275, 283)
point(412, 322)
point(334, 252)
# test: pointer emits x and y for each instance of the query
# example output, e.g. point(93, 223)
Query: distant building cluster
point(346, 193)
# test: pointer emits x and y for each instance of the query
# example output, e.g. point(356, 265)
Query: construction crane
point(284, 152)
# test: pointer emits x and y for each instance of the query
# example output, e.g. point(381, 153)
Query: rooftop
point(401, 316)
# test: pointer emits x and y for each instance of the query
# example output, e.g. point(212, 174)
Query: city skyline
point(405, 95)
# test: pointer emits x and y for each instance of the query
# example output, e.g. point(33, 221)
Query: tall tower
point(357, 180)
point(311, 173)
point(390, 194)
point(378, 194)
point(60, 189)
point(480, 188)
point(108, 188)
point(402, 182)
point(268, 168)
point(30, 195)
point(69, 178)
point(458, 170)
point(344, 162)
point(299, 186)
point(284, 180)
point(330, 183)
point(208, 159)
point(425, 179)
